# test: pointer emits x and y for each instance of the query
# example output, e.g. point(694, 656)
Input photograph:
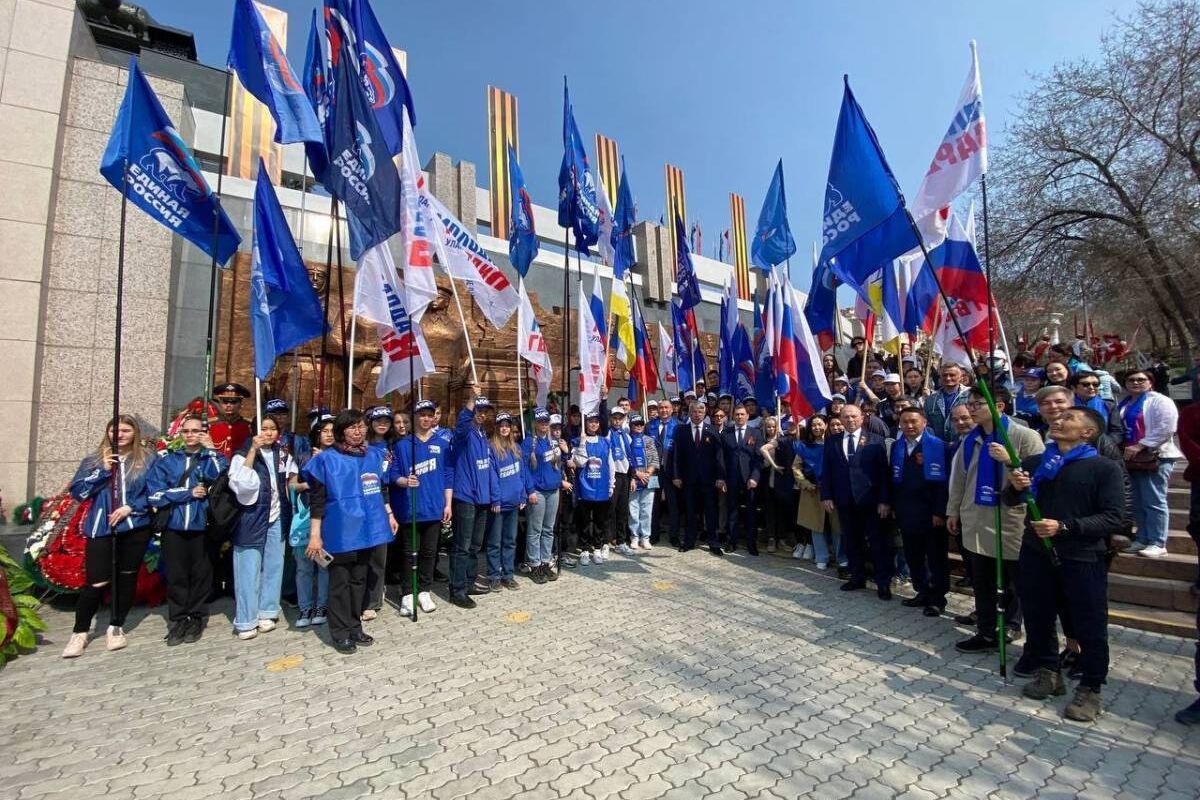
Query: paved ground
point(664, 676)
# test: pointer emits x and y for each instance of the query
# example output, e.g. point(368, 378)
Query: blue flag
point(821, 306)
point(164, 179)
point(764, 365)
point(624, 218)
point(284, 309)
point(773, 242)
point(686, 284)
point(361, 172)
point(522, 238)
point(258, 60)
point(865, 224)
point(745, 370)
point(577, 207)
point(318, 86)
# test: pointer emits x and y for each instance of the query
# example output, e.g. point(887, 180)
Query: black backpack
point(223, 508)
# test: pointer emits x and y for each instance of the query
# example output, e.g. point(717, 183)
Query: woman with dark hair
point(1058, 373)
point(513, 480)
point(778, 490)
point(117, 529)
point(179, 483)
point(1149, 420)
point(385, 561)
point(310, 576)
point(421, 492)
point(914, 384)
point(811, 516)
point(350, 517)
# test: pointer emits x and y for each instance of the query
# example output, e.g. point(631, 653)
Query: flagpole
point(300, 247)
point(520, 393)
point(117, 468)
point(257, 405)
point(566, 340)
point(413, 386)
point(342, 313)
point(212, 277)
point(320, 388)
point(466, 334)
point(350, 365)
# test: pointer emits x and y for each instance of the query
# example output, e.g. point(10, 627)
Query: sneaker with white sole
point(114, 638)
point(822, 565)
point(808, 554)
point(634, 544)
point(266, 625)
point(1153, 551)
point(1136, 547)
point(75, 645)
point(425, 602)
point(798, 551)
point(247, 635)
point(585, 558)
point(305, 618)
point(406, 605)
point(604, 551)
point(646, 545)
point(600, 556)
point(319, 616)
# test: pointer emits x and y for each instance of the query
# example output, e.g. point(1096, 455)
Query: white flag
point(415, 230)
point(376, 269)
point(405, 357)
point(591, 357)
point(465, 260)
point(607, 254)
point(531, 346)
point(959, 160)
point(666, 357)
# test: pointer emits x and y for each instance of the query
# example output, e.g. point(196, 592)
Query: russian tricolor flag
point(962, 278)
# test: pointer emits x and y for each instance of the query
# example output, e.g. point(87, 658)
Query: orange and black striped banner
point(251, 128)
point(676, 209)
point(608, 165)
point(737, 236)
point(502, 132)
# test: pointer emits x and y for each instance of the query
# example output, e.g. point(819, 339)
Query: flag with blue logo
point(522, 238)
point(577, 207)
point(163, 178)
point(361, 172)
point(284, 309)
point(726, 357)
point(625, 218)
point(686, 284)
point(744, 369)
point(318, 86)
point(773, 242)
point(764, 364)
point(865, 223)
point(690, 364)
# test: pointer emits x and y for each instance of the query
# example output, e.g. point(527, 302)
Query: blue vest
point(253, 522)
point(592, 479)
point(637, 456)
point(355, 516)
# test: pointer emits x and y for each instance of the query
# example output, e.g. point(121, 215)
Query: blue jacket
point(471, 460)
point(91, 481)
point(546, 476)
point(664, 439)
point(350, 499)
point(512, 477)
point(187, 513)
point(255, 519)
point(433, 471)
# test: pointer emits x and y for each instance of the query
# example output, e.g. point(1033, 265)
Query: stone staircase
point(1153, 594)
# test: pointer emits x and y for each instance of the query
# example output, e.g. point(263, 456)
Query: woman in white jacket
point(1150, 420)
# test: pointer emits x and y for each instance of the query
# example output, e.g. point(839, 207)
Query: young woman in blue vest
point(544, 456)
point(476, 490)
point(179, 482)
point(385, 561)
point(121, 523)
point(350, 517)
point(419, 475)
point(595, 474)
point(259, 477)
point(312, 579)
point(513, 479)
point(618, 512)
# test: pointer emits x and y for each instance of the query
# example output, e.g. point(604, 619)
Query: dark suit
point(916, 501)
point(743, 463)
point(857, 486)
point(699, 467)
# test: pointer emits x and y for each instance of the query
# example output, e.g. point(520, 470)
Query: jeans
point(641, 512)
point(306, 571)
point(539, 528)
point(258, 579)
point(470, 527)
point(501, 543)
point(1150, 511)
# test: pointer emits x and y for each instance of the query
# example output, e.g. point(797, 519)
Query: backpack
point(223, 508)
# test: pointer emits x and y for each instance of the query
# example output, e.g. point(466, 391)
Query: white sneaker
point(406, 605)
point(585, 558)
point(798, 551)
point(425, 602)
point(808, 553)
point(246, 635)
point(1153, 551)
point(266, 625)
point(604, 551)
point(822, 565)
point(600, 556)
point(75, 645)
point(114, 638)
point(646, 545)
point(1136, 547)
point(633, 545)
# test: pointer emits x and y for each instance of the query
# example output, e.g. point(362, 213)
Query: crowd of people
point(874, 486)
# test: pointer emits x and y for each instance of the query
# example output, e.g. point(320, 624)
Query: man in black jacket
point(1081, 497)
point(697, 471)
point(919, 475)
point(743, 468)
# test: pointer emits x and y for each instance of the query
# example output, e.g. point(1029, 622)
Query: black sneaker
point(884, 594)
point(976, 644)
point(462, 601)
point(194, 630)
point(550, 572)
point(966, 619)
point(176, 632)
point(1025, 667)
point(478, 588)
point(913, 602)
point(510, 584)
point(538, 574)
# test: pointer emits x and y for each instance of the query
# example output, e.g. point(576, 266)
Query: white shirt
point(245, 484)
point(910, 446)
point(846, 437)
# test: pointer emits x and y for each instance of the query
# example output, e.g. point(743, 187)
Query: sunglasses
point(1090, 384)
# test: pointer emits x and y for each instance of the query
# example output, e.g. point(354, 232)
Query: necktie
point(739, 435)
point(850, 444)
point(696, 429)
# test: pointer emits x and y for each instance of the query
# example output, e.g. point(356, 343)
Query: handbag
point(162, 516)
point(1145, 460)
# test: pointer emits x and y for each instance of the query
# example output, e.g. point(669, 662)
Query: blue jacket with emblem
point(433, 472)
point(92, 481)
point(188, 513)
point(471, 459)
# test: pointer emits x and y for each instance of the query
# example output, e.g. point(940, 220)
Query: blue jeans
point(821, 547)
point(258, 579)
point(641, 512)
point(501, 544)
point(470, 526)
point(1150, 511)
point(539, 528)
point(306, 571)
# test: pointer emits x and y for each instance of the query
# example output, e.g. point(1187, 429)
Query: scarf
point(352, 450)
point(985, 477)
point(1096, 404)
point(1132, 414)
point(1053, 461)
point(932, 457)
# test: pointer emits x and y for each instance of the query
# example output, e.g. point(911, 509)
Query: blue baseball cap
point(276, 406)
point(541, 414)
point(378, 412)
point(425, 405)
point(481, 403)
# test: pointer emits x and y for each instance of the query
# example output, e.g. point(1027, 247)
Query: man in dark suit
point(743, 467)
point(854, 482)
point(697, 471)
point(919, 476)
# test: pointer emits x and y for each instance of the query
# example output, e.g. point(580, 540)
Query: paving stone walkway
point(665, 675)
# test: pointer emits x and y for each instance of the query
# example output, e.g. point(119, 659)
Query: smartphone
point(323, 558)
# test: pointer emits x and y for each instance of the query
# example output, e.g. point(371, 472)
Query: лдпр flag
point(164, 179)
point(522, 238)
point(773, 242)
point(284, 309)
point(865, 224)
point(531, 346)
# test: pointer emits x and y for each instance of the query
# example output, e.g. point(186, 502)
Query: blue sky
point(720, 89)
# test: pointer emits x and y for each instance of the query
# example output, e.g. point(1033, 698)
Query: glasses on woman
point(1136, 380)
point(1090, 384)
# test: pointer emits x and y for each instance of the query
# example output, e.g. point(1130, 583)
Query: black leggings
point(428, 532)
point(98, 562)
